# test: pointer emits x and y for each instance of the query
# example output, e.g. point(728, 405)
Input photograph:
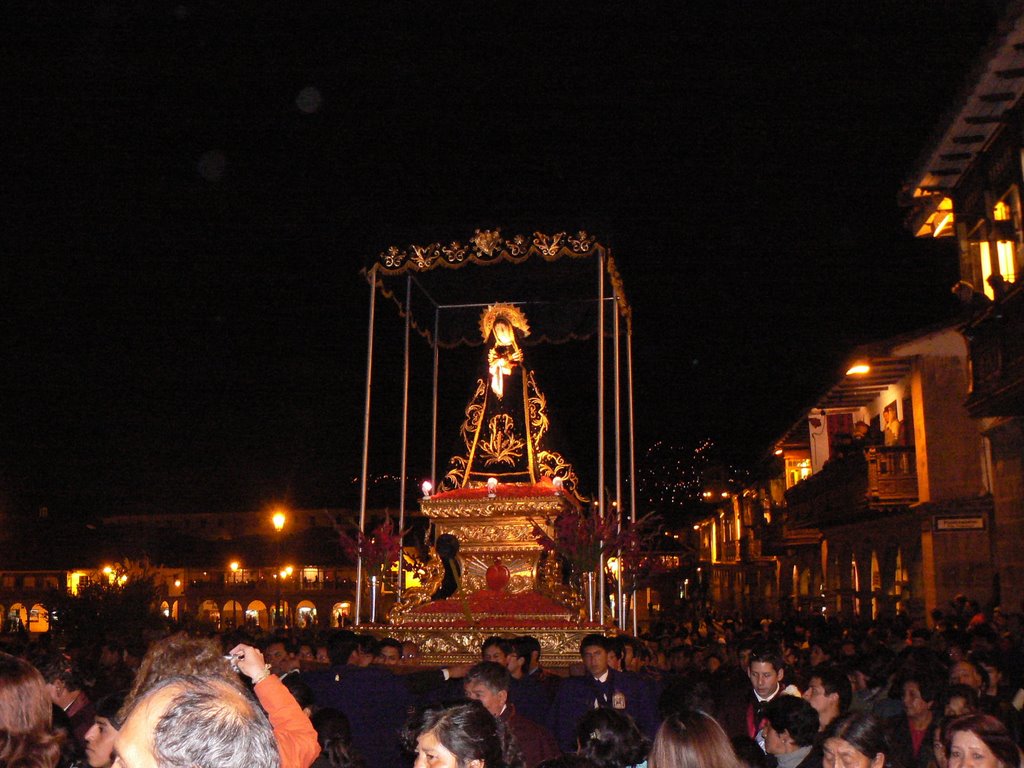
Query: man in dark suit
point(601, 686)
point(533, 688)
point(741, 710)
point(375, 700)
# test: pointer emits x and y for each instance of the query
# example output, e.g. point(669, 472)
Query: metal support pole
point(437, 368)
point(405, 435)
point(600, 425)
point(366, 439)
point(632, 448)
point(619, 603)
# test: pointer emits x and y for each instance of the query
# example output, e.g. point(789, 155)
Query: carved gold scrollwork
point(581, 243)
point(414, 597)
point(424, 256)
point(487, 242)
point(393, 258)
point(548, 245)
point(501, 446)
point(455, 253)
point(560, 647)
point(491, 534)
point(517, 246)
point(538, 410)
point(530, 508)
point(550, 583)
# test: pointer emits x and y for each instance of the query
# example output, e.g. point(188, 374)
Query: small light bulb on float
point(492, 487)
point(557, 483)
point(427, 487)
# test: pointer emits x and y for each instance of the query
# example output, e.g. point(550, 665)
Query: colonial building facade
point(967, 190)
point(877, 501)
point(903, 485)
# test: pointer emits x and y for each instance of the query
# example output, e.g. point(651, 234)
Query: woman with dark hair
point(980, 741)
point(461, 736)
point(99, 739)
point(857, 741)
point(959, 700)
point(26, 717)
point(610, 739)
point(335, 736)
point(790, 732)
point(691, 740)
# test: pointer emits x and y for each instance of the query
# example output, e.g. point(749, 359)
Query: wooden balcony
point(868, 480)
point(892, 475)
point(996, 339)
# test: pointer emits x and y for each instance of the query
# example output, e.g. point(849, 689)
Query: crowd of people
point(796, 694)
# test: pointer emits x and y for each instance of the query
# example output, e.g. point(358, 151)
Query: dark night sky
point(183, 318)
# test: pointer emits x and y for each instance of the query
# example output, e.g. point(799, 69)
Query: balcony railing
point(892, 475)
point(872, 478)
point(731, 550)
point(997, 357)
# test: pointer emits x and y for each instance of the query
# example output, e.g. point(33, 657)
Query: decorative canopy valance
point(549, 276)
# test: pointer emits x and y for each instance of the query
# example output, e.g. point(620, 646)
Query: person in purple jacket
point(601, 686)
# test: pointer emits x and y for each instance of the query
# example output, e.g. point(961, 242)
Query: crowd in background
point(802, 693)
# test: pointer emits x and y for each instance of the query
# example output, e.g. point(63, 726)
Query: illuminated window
point(1005, 215)
point(797, 470)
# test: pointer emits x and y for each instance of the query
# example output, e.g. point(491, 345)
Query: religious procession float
point(516, 545)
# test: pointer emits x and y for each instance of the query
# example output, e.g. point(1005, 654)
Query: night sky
point(190, 192)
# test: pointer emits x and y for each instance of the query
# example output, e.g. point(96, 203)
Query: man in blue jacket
point(601, 686)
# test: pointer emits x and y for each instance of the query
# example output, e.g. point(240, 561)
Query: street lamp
point(234, 603)
point(278, 520)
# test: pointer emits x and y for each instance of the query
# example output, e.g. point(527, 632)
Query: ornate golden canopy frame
point(613, 333)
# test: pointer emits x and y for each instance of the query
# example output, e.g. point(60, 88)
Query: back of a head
point(56, 666)
point(209, 723)
point(335, 736)
point(568, 761)
point(179, 656)
point(691, 740)
point(795, 716)
point(26, 717)
point(610, 738)
point(300, 691)
point(340, 647)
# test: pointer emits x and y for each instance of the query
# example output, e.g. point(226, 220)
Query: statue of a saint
point(506, 418)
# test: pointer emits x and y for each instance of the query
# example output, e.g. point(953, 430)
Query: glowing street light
point(278, 520)
point(234, 566)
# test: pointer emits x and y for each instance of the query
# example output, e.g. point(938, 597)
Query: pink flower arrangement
point(579, 536)
point(379, 548)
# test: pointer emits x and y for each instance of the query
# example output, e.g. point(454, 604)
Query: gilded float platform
point(497, 530)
